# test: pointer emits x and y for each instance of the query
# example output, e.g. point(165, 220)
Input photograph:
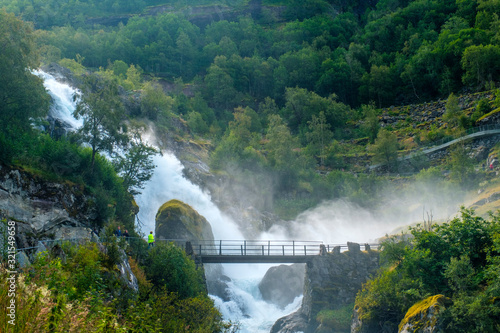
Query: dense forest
point(279, 88)
point(285, 93)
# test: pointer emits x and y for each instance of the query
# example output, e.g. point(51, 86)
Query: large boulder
point(177, 220)
point(422, 317)
point(293, 323)
point(282, 284)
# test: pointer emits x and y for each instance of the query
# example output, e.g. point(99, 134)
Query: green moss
point(489, 114)
point(416, 314)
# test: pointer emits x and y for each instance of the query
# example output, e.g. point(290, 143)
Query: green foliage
point(167, 266)
point(482, 107)
point(154, 102)
point(453, 259)
point(481, 64)
point(319, 136)
point(60, 157)
point(462, 167)
point(384, 300)
point(76, 295)
point(387, 52)
point(112, 254)
point(371, 124)
point(23, 98)
point(385, 149)
point(196, 314)
point(136, 165)
point(74, 66)
point(338, 320)
point(452, 113)
point(196, 123)
point(102, 112)
point(460, 274)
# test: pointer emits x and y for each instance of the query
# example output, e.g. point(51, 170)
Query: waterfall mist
point(339, 221)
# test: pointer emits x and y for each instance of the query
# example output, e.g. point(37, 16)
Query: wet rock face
point(295, 322)
point(282, 284)
point(126, 274)
point(334, 280)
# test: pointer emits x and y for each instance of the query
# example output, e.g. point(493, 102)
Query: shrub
point(456, 259)
point(195, 314)
point(168, 266)
point(338, 320)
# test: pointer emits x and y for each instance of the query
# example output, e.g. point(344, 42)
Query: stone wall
point(332, 282)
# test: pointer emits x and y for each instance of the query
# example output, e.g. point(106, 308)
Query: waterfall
point(246, 305)
point(63, 101)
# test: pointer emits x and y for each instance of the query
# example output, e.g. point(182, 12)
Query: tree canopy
point(23, 98)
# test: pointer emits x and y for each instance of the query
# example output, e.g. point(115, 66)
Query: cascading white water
point(168, 183)
point(63, 100)
point(246, 305)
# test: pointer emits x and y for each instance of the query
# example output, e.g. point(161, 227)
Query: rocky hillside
point(424, 115)
point(45, 209)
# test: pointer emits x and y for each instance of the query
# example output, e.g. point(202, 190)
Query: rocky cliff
point(332, 282)
point(44, 209)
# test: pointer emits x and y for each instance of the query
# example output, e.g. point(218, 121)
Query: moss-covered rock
point(422, 317)
point(177, 220)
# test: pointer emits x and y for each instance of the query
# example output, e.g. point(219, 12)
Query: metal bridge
point(471, 133)
point(231, 251)
point(258, 251)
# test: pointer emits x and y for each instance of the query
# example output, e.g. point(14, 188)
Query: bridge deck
point(251, 251)
point(254, 259)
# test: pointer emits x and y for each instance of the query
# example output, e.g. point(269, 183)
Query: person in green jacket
point(151, 239)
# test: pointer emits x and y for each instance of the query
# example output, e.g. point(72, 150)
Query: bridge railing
point(257, 247)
